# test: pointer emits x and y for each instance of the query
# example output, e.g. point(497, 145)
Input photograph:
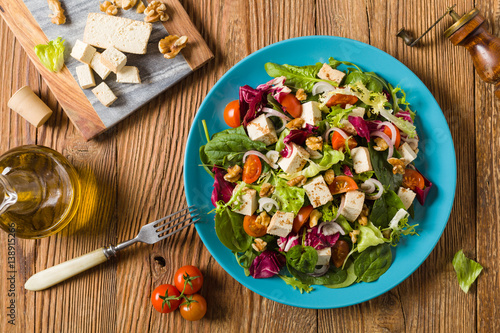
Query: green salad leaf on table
point(314, 180)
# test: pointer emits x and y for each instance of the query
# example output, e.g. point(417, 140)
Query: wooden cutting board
point(29, 21)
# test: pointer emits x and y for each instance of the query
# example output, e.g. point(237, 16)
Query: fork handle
point(58, 273)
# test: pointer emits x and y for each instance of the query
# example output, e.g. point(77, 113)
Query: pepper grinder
point(470, 31)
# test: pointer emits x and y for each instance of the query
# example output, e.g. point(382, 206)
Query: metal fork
point(150, 234)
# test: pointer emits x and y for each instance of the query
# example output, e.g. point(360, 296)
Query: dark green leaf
point(373, 262)
point(302, 258)
point(229, 229)
point(297, 77)
point(228, 148)
point(333, 276)
point(296, 284)
point(384, 209)
point(245, 260)
point(383, 169)
point(205, 161)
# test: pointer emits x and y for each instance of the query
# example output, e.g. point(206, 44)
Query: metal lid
point(460, 22)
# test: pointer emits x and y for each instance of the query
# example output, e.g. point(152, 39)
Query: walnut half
point(171, 45)
point(156, 11)
point(108, 8)
point(57, 16)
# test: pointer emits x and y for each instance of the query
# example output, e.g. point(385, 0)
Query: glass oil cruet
point(39, 191)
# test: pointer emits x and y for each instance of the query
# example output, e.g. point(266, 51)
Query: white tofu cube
point(85, 76)
point(311, 113)
point(248, 199)
point(98, 67)
point(353, 205)
point(317, 191)
point(324, 256)
point(296, 161)
point(281, 224)
point(128, 74)
point(407, 153)
point(113, 59)
point(358, 112)
point(328, 73)
point(262, 129)
point(104, 94)
point(407, 196)
point(83, 52)
point(361, 159)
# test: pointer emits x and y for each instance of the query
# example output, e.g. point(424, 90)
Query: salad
point(314, 180)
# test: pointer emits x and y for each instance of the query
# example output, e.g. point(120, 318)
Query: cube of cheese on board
point(83, 52)
point(104, 94)
point(281, 224)
point(317, 191)
point(98, 67)
point(113, 59)
point(124, 34)
point(296, 161)
point(85, 76)
point(128, 74)
point(262, 129)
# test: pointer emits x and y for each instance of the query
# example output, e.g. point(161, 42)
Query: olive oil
point(39, 191)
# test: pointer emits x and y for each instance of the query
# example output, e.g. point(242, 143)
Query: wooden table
point(133, 174)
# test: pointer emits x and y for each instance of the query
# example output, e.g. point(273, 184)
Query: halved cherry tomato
point(292, 105)
point(412, 179)
point(338, 141)
point(340, 251)
point(232, 114)
point(194, 308)
point(302, 217)
point(165, 305)
point(252, 169)
point(192, 275)
point(342, 184)
point(252, 228)
point(388, 132)
point(342, 100)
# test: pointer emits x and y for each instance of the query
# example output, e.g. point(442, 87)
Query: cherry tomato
point(342, 100)
point(339, 252)
point(301, 218)
point(252, 169)
point(192, 275)
point(342, 184)
point(388, 132)
point(338, 141)
point(232, 114)
point(194, 308)
point(165, 305)
point(413, 178)
point(252, 228)
point(292, 105)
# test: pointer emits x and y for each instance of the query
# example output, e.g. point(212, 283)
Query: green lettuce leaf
point(51, 54)
point(467, 270)
point(297, 77)
point(369, 235)
point(296, 284)
point(337, 114)
point(330, 157)
point(290, 198)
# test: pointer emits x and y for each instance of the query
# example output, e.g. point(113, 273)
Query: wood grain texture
point(133, 174)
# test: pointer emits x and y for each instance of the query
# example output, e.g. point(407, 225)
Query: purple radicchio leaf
point(318, 240)
point(250, 103)
point(347, 171)
point(405, 115)
point(298, 137)
point(422, 194)
point(361, 127)
point(276, 87)
point(223, 190)
point(267, 264)
point(373, 125)
point(286, 243)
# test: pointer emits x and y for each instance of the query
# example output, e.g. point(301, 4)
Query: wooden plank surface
point(133, 174)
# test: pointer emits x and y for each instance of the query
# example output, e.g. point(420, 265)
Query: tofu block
point(248, 199)
point(124, 34)
point(328, 73)
point(104, 94)
point(113, 59)
point(98, 67)
point(85, 76)
point(296, 161)
point(262, 129)
point(361, 159)
point(128, 74)
point(311, 113)
point(407, 196)
point(353, 205)
point(407, 153)
point(317, 191)
point(281, 224)
point(83, 52)
point(324, 256)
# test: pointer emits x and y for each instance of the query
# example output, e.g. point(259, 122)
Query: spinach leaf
point(336, 63)
point(205, 161)
point(245, 260)
point(384, 209)
point(296, 284)
point(302, 258)
point(467, 270)
point(333, 276)
point(383, 169)
point(228, 148)
point(351, 278)
point(238, 130)
point(297, 77)
point(229, 229)
point(373, 262)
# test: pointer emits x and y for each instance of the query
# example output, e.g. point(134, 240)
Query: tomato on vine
point(194, 308)
point(165, 298)
point(188, 279)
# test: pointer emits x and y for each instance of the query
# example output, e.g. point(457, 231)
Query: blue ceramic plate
point(436, 161)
